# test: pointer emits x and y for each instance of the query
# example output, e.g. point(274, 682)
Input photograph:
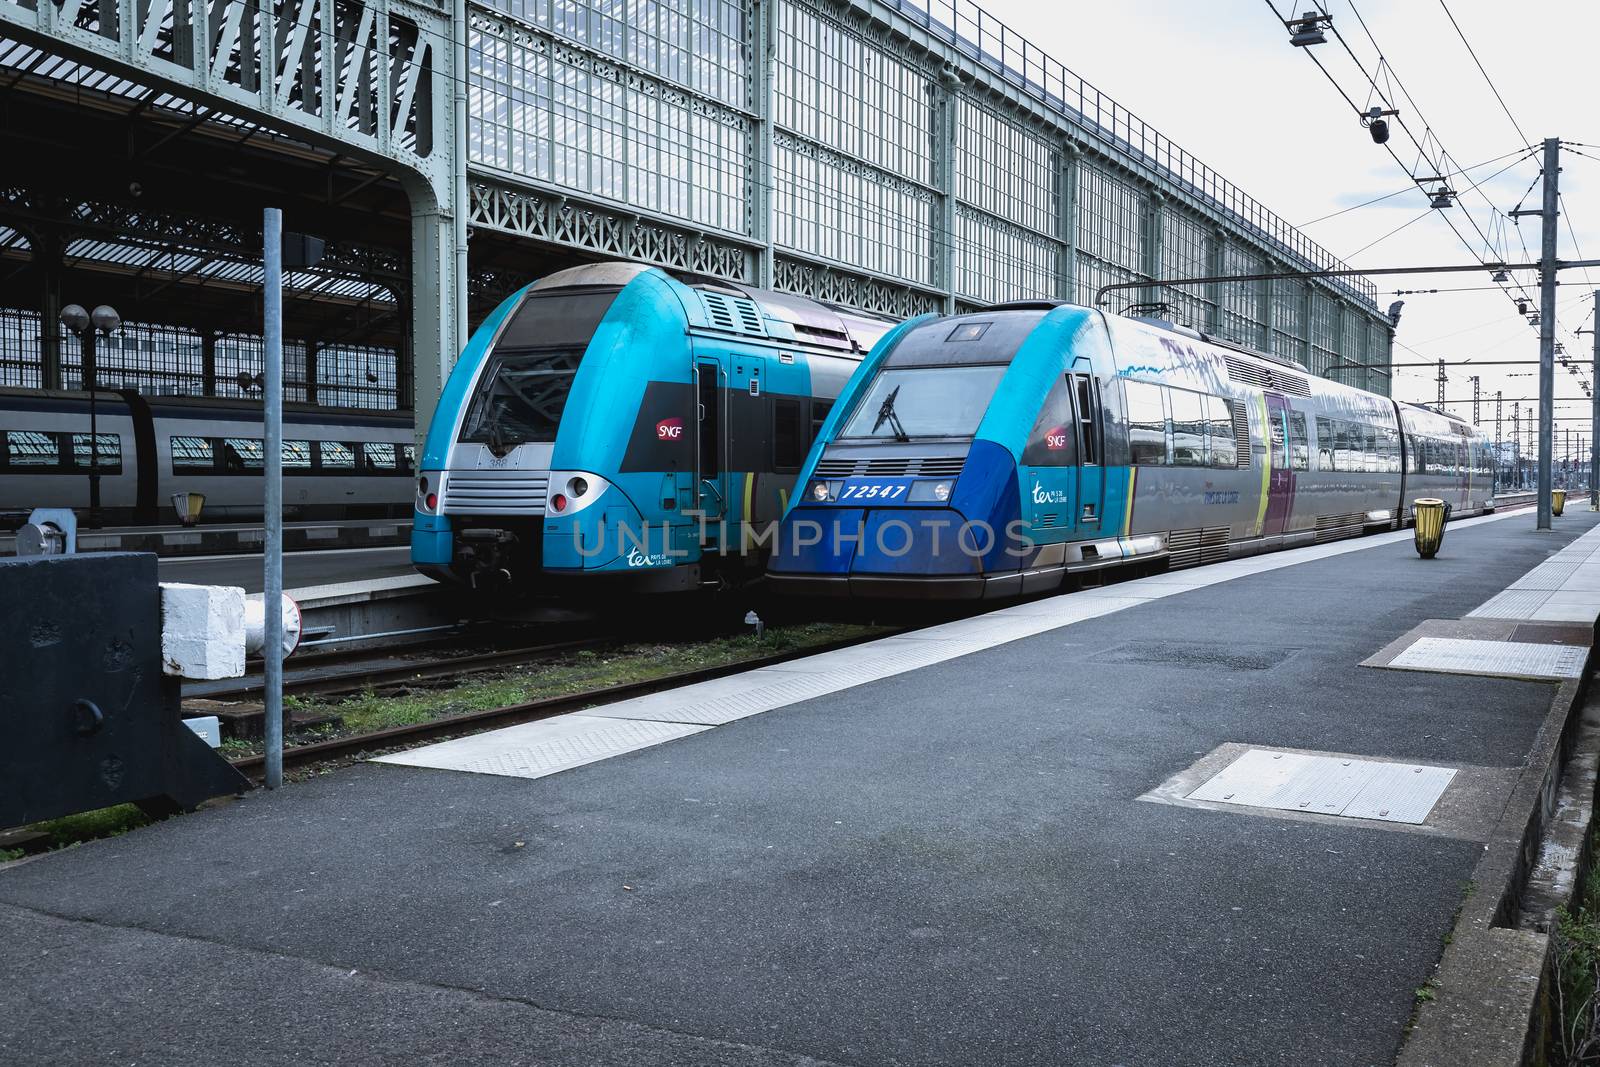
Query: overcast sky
point(1220, 78)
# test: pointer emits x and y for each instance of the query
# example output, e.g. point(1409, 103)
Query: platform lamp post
point(85, 325)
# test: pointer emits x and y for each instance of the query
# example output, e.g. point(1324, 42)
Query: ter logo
point(669, 429)
point(1056, 439)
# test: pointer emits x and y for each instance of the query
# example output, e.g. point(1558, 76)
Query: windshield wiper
point(886, 414)
point(497, 444)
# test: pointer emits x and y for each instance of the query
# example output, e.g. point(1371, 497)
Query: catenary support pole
point(272, 586)
point(1547, 326)
point(1594, 410)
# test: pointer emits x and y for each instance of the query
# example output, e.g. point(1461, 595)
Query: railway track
point(346, 748)
point(377, 673)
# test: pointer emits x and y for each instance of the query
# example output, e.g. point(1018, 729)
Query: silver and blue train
point(1006, 451)
point(613, 423)
point(337, 463)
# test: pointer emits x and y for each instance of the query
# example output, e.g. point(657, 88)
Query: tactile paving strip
point(1512, 659)
point(536, 749)
point(1511, 604)
point(1328, 785)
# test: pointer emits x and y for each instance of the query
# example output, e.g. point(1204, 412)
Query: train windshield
point(909, 402)
point(524, 389)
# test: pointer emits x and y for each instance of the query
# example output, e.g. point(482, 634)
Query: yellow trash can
point(1428, 525)
point(1558, 500)
point(188, 506)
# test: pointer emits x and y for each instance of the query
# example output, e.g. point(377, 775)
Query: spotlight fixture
point(1307, 29)
point(1375, 120)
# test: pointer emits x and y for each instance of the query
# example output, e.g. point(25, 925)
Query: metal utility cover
point(1512, 659)
point(1328, 785)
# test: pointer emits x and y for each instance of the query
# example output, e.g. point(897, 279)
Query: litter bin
point(1558, 500)
point(188, 506)
point(1428, 514)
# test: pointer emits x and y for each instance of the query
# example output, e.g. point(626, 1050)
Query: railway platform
point(1223, 815)
point(210, 539)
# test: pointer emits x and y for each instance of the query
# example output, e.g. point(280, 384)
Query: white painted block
point(202, 630)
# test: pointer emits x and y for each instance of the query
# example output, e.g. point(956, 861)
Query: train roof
point(812, 322)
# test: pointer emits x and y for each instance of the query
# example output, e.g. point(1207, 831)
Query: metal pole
point(1594, 408)
point(1516, 444)
point(91, 383)
point(1547, 327)
point(272, 594)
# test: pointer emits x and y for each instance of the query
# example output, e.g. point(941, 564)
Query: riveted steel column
point(1216, 253)
point(763, 37)
point(434, 297)
point(1308, 330)
point(945, 119)
point(1067, 266)
point(1268, 304)
point(1155, 236)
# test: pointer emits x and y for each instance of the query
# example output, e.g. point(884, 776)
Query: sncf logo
point(669, 429)
point(1056, 438)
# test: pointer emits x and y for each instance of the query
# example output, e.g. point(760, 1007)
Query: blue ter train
point(1006, 451)
point(614, 422)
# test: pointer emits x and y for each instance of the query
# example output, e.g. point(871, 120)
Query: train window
point(1371, 452)
point(335, 456)
point(1089, 418)
point(710, 418)
point(1147, 424)
point(521, 397)
point(788, 451)
point(192, 454)
point(296, 456)
point(379, 457)
point(106, 455)
point(1299, 445)
point(1325, 444)
point(1222, 448)
point(32, 450)
point(1280, 441)
point(1188, 429)
point(819, 415)
point(242, 454)
point(408, 460)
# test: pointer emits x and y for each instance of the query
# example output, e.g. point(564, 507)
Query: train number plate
point(865, 489)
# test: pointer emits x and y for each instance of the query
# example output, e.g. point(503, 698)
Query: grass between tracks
point(581, 672)
point(1576, 944)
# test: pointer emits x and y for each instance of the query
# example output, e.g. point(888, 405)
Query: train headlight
point(572, 491)
point(429, 486)
point(937, 491)
point(823, 492)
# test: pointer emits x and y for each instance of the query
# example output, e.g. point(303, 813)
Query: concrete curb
point(1491, 990)
point(201, 541)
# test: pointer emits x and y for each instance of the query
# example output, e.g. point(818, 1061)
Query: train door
point(711, 435)
point(1280, 479)
point(1088, 414)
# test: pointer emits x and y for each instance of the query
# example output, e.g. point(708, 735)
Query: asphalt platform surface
point(948, 866)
